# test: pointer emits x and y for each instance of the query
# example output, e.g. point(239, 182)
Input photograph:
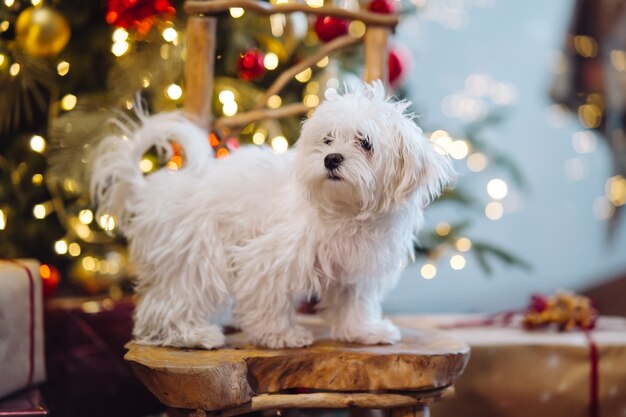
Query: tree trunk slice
point(232, 376)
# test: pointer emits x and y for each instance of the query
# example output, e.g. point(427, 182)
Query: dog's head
point(359, 153)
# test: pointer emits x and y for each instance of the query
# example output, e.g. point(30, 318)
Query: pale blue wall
point(555, 228)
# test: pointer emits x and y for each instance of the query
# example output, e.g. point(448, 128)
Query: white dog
point(257, 231)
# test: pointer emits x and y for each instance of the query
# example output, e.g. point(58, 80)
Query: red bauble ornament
point(137, 14)
point(49, 279)
point(328, 28)
point(250, 64)
point(398, 63)
point(382, 6)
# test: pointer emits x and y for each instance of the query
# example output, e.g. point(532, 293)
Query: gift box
point(21, 326)
point(26, 403)
point(515, 372)
point(87, 374)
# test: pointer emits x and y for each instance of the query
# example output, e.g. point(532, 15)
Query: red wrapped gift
point(27, 403)
point(21, 326)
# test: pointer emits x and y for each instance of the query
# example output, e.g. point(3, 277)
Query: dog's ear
point(419, 168)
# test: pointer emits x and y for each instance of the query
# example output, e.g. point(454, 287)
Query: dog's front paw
point(371, 333)
point(294, 337)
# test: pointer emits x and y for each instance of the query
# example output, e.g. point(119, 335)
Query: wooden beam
point(376, 54)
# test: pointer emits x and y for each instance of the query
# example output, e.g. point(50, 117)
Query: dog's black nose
point(333, 160)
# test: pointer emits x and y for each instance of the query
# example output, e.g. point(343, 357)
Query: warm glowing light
point(85, 216)
point(494, 210)
point(9, 3)
point(82, 231)
point(37, 179)
point(497, 189)
point(174, 91)
point(304, 76)
point(35, 2)
point(226, 96)
point(37, 144)
point(602, 208)
point(280, 144)
point(618, 59)
point(39, 211)
point(274, 101)
point(270, 61)
point(120, 35)
point(120, 48)
point(277, 24)
point(4, 26)
point(3, 220)
point(590, 115)
point(146, 165)
point(107, 222)
point(63, 68)
point(222, 153)
point(457, 262)
point(60, 247)
point(315, 3)
point(459, 149)
point(68, 102)
point(586, 46)
point(442, 141)
point(615, 189)
point(230, 108)
point(356, 28)
point(2, 59)
point(311, 100)
point(14, 69)
point(428, 271)
point(322, 63)
point(145, 82)
point(89, 263)
point(463, 244)
point(236, 12)
point(477, 162)
point(74, 249)
point(214, 141)
point(442, 229)
point(258, 138)
point(169, 34)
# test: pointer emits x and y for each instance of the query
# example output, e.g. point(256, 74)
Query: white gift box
point(21, 326)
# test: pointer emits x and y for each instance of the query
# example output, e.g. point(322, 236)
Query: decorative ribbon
point(31, 326)
point(506, 319)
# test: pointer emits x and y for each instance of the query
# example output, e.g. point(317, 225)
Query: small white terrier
point(336, 216)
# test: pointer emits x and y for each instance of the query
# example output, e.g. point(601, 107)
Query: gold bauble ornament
point(42, 32)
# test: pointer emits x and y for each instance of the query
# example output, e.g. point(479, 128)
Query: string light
point(315, 3)
point(618, 59)
point(311, 100)
point(3, 220)
point(63, 68)
point(457, 262)
point(356, 28)
point(35, 2)
point(90, 263)
point(494, 210)
point(85, 216)
point(4, 26)
point(169, 34)
point(120, 48)
point(107, 222)
point(586, 46)
point(226, 96)
point(463, 244)
point(258, 138)
point(443, 141)
point(37, 144)
point(459, 149)
point(68, 102)
point(74, 249)
point(270, 61)
point(146, 165)
point(236, 12)
point(274, 101)
point(174, 91)
point(584, 142)
point(304, 76)
point(443, 229)
point(230, 108)
point(120, 35)
point(40, 211)
point(280, 144)
point(497, 189)
point(14, 69)
point(428, 271)
point(9, 3)
point(615, 189)
point(477, 162)
point(322, 63)
point(3, 58)
point(60, 247)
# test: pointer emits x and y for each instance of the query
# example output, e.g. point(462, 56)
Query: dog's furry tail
point(115, 174)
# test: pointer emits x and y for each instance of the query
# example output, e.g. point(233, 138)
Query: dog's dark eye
point(365, 144)
point(327, 141)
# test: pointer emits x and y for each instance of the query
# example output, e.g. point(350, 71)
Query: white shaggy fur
point(258, 231)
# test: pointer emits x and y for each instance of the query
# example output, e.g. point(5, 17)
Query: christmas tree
point(67, 66)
